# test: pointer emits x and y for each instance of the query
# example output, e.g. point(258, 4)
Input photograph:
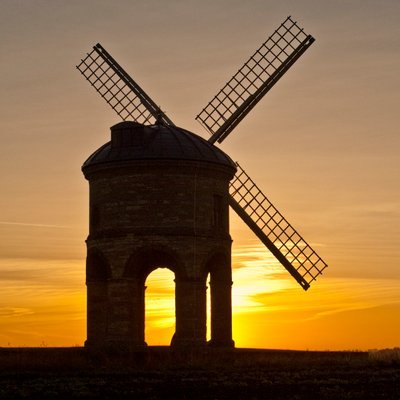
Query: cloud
point(33, 225)
point(33, 278)
point(330, 296)
point(24, 274)
point(6, 312)
point(350, 307)
point(253, 255)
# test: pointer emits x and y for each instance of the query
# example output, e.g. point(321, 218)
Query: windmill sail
point(272, 228)
point(119, 90)
point(257, 76)
point(220, 116)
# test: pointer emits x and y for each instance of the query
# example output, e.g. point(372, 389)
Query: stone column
point(126, 316)
point(138, 316)
point(221, 313)
point(191, 312)
point(97, 308)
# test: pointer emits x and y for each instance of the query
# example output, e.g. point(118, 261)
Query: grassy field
point(69, 373)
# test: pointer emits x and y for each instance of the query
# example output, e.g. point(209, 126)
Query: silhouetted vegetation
point(67, 373)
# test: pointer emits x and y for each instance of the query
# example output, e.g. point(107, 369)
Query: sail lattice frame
point(220, 116)
point(290, 248)
point(254, 79)
point(118, 89)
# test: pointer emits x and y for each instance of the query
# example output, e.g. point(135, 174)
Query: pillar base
point(115, 347)
point(227, 344)
point(182, 343)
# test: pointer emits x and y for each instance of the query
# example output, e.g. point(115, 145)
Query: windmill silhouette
point(220, 116)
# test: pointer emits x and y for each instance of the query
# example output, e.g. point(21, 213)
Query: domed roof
point(132, 141)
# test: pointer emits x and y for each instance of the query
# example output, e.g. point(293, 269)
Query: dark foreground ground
point(70, 373)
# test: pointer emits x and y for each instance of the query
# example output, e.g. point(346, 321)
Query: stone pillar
point(191, 312)
point(97, 308)
point(126, 316)
point(139, 314)
point(221, 313)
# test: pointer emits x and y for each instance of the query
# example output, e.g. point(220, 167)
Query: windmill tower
point(159, 197)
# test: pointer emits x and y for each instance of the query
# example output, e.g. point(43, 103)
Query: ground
point(70, 373)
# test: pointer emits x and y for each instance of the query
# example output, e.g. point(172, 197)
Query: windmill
point(220, 116)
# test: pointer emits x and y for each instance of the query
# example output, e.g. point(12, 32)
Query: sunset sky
point(324, 146)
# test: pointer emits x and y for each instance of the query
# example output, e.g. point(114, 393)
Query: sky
point(323, 145)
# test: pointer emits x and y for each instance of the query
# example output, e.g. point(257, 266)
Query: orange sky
point(324, 145)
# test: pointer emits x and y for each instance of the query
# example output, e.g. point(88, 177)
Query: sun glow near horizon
point(271, 310)
point(249, 271)
point(330, 163)
point(44, 303)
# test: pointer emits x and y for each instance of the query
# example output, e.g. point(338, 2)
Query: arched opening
point(208, 302)
point(153, 273)
point(160, 318)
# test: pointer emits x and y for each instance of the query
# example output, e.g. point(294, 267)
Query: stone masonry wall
point(147, 213)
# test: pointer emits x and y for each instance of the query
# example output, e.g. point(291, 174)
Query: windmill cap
point(131, 141)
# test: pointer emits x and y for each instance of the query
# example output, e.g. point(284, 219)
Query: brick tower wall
point(150, 213)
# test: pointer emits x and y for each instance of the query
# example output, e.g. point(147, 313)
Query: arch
point(138, 267)
point(218, 263)
point(146, 259)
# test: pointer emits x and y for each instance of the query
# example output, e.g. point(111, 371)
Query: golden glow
point(160, 307)
point(330, 163)
point(43, 303)
point(256, 271)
